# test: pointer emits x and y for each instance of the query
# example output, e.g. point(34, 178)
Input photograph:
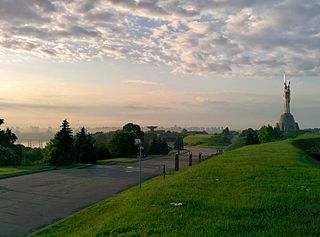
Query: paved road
point(30, 202)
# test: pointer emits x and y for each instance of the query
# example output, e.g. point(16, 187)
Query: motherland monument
point(286, 121)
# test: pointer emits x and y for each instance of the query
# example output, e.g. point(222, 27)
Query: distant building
point(286, 121)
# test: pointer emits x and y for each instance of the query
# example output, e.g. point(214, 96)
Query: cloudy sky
point(163, 62)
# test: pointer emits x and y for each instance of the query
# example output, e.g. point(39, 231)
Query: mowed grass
point(8, 171)
point(262, 190)
point(201, 140)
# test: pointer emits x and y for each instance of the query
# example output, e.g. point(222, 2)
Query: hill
point(207, 140)
point(270, 189)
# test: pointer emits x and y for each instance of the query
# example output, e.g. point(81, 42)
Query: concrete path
point(30, 202)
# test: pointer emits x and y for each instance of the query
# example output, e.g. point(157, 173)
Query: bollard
point(164, 170)
point(200, 157)
point(217, 152)
point(176, 162)
point(190, 158)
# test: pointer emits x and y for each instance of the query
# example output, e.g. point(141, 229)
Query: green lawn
point(271, 189)
point(205, 140)
point(197, 139)
point(6, 171)
point(116, 160)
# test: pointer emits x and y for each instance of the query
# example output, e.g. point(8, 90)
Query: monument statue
point(286, 121)
point(286, 95)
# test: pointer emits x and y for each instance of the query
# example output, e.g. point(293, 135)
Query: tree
point(157, 145)
point(226, 131)
point(101, 141)
point(31, 155)
point(121, 143)
point(7, 138)
point(8, 157)
point(85, 149)
point(10, 154)
point(269, 134)
point(154, 147)
point(250, 136)
point(61, 150)
point(135, 128)
point(164, 148)
point(178, 144)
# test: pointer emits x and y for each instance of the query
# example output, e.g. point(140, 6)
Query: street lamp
point(138, 142)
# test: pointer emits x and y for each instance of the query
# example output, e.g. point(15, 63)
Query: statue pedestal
point(287, 123)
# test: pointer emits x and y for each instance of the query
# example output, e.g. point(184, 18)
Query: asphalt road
point(30, 202)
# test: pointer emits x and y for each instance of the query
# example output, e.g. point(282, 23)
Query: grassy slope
point(204, 140)
point(197, 139)
point(265, 190)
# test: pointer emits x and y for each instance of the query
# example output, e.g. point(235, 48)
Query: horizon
point(189, 63)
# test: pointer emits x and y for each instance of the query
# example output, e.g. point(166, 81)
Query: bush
point(269, 134)
point(31, 155)
point(251, 136)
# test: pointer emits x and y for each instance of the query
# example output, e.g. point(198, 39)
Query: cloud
point(140, 82)
point(202, 37)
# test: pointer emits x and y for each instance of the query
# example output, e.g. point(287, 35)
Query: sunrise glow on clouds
point(175, 61)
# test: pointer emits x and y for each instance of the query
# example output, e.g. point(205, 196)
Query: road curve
point(30, 202)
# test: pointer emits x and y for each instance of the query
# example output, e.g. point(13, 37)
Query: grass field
point(6, 171)
point(205, 140)
point(116, 160)
point(271, 189)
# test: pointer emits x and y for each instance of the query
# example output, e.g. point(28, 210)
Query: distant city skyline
point(154, 62)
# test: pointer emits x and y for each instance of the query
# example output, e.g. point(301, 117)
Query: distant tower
point(152, 128)
point(287, 122)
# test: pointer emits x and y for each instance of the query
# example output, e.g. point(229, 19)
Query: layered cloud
point(190, 36)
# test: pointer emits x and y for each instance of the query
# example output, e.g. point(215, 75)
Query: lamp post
point(138, 142)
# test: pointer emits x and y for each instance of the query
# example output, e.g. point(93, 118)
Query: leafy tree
point(102, 139)
point(31, 155)
point(269, 134)
point(164, 148)
point(251, 136)
point(7, 138)
point(85, 149)
point(8, 157)
point(135, 128)
point(10, 154)
point(121, 143)
point(61, 147)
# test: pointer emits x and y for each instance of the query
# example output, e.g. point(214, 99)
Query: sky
point(158, 62)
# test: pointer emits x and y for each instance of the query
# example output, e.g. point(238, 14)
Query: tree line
point(82, 147)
